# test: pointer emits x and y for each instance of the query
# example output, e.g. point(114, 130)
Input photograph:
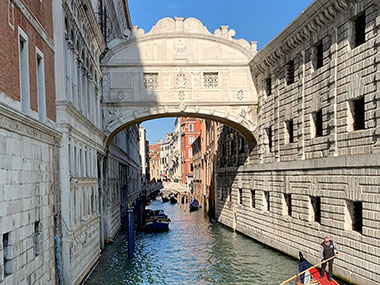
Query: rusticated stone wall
point(335, 88)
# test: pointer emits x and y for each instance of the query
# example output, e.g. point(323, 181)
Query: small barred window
point(150, 80)
point(210, 80)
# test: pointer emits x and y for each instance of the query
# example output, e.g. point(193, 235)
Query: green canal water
point(193, 251)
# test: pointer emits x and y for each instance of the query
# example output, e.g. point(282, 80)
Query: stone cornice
point(26, 126)
point(94, 26)
point(317, 15)
point(183, 28)
point(70, 108)
point(35, 23)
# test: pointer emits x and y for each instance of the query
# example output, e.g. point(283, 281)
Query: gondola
point(194, 205)
point(311, 276)
point(173, 199)
point(164, 199)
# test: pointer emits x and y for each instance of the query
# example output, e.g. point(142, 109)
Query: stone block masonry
point(29, 179)
point(315, 169)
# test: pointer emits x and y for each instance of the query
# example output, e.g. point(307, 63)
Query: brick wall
point(9, 53)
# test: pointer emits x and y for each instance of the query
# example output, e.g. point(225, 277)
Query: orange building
point(154, 162)
point(190, 130)
point(204, 160)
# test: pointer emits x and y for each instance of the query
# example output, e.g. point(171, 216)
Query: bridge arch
point(179, 69)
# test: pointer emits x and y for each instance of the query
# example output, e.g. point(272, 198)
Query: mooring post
point(138, 213)
point(131, 232)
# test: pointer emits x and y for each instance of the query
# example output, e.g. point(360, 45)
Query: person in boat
point(305, 278)
point(327, 250)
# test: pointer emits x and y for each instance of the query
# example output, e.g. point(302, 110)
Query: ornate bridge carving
point(179, 69)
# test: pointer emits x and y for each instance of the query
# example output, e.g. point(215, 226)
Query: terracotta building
point(204, 164)
point(154, 162)
point(190, 130)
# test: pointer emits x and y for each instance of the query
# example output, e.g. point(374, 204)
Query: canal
point(193, 251)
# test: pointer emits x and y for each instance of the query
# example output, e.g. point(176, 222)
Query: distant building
point(154, 162)
point(144, 154)
point(174, 164)
point(198, 169)
point(209, 158)
point(190, 130)
point(204, 165)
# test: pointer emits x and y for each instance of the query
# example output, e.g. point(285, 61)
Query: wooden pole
point(295, 276)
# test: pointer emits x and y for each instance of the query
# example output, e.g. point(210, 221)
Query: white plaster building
point(175, 163)
point(144, 154)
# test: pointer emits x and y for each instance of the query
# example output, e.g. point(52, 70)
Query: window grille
point(151, 80)
point(210, 80)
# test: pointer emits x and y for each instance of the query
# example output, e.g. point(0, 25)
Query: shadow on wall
point(233, 152)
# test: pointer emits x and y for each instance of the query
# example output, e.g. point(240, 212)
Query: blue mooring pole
point(131, 233)
point(138, 212)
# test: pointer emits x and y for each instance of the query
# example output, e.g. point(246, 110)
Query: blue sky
point(253, 20)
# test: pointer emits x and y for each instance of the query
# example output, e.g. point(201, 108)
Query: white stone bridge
point(179, 69)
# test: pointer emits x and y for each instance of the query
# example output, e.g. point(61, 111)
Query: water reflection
point(192, 252)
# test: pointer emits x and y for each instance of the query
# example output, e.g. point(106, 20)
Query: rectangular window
point(355, 215)
point(81, 169)
point(268, 84)
point(253, 199)
point(191, 167)
point(242, 145)
point(241, 196)
point(151, 80)
point(290, 72)
point(269, 138)
point(230, 194)
point(288, 204)
point(75, 168)
point(190, 152)
point(7, 261)
point(210, 80)
point(41, 86)
point(318, 123)
point(319, 55)
point(316, 208)
point(359, 30)
point(289, 135)
point(191, 139)
point(266, 201)
point(24, 71)
point(70, 160)
point(37, 238)
point(191, 127)
point(357, 111)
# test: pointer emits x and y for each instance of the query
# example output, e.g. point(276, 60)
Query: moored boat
point(194, 205)
point(165, 199)
point(156, 220)
point(173, 199)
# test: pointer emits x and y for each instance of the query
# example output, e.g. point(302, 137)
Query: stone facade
point(315, 169)
point(29, 145)
point(77, 54)
point(179, 69)
point(123, 179)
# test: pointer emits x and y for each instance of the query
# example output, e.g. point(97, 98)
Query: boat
point(165, 199)
point(173, 199)
point(156, 220)
point(311, 276)
point(194, 205)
